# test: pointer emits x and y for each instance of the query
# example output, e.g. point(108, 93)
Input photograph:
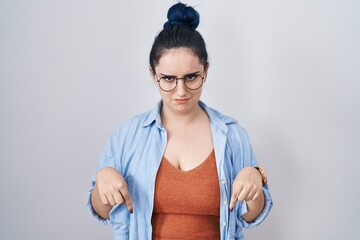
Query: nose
point(181, 88)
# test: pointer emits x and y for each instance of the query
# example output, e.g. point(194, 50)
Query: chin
point(184, 108)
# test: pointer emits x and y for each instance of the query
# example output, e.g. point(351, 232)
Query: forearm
point(254, 207)
point(101, 209)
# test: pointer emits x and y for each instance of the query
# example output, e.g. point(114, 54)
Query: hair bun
point(180, 14)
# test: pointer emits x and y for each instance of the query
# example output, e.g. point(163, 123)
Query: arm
point(101, 209)
point(248, 183)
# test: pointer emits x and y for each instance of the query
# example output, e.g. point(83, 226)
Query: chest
point(187, 148)
point(188, 192)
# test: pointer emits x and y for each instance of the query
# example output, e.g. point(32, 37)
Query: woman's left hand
point(247, 186)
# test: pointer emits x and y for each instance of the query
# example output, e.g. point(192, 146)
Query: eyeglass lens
point(168, 84)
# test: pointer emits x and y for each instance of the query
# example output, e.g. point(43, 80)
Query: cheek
point(198, 92)
point(164, 95)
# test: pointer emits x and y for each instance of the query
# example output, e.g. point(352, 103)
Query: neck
point(171, 118)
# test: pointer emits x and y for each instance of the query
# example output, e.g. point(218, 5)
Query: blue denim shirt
point(135, 149)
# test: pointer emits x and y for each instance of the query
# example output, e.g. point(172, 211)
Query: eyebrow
point(166, 75)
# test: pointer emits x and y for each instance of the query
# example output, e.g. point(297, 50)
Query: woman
point(182, 170)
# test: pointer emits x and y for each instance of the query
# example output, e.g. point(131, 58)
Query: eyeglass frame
point(183, 78)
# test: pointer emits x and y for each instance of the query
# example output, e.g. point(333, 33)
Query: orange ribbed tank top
point(187, 203)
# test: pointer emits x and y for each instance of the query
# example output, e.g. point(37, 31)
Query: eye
point(191, 77)
point(168, 78)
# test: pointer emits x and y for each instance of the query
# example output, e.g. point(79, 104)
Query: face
point(179, 63)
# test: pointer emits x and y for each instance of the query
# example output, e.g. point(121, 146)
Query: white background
point(71, 71)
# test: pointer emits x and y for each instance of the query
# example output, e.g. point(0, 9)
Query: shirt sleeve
point(92, 211)
point(107, 159)
point(245, 157)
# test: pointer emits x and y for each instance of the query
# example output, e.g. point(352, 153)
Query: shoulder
point(216, 116)
point(230, 125)
point(134, 126)
point(143, 119)
point(135, 122)
point(219, 118)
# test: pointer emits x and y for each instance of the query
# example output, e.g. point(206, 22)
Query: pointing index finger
point(234, 197)
point(126, 196)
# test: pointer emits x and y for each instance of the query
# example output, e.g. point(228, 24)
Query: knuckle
point(234, 196)
point(119, 200)
point(107, 192)
point(122, 185)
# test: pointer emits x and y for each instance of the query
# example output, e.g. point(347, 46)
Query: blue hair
point(179, 31)
point(180, 14)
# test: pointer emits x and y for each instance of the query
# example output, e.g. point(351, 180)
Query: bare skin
point(110, 189)
point(247, 186)
point(189, 138)
point(189, 141)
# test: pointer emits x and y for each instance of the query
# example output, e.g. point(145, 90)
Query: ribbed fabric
point(187, 203)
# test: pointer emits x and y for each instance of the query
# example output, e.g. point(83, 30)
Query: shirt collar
point(215, 117)
point(154, 116)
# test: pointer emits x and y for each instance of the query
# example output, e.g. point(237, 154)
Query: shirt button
point(225, 202)
point(223, 181)
point(224, 223)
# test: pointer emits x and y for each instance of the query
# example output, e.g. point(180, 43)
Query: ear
point(152, 73)
point(206, 68)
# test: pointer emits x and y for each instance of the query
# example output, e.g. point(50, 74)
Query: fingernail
point(131, 211)
point(231, 209)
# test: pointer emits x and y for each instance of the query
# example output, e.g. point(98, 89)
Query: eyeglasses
point(191, 81)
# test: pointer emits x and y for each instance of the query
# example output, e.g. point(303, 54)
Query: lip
point(182, 100)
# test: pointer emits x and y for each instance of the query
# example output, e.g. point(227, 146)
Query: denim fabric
point(135, 149)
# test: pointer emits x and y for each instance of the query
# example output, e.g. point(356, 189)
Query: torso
point(187, 203)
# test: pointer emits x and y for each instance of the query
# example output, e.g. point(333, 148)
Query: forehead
point(178, 61)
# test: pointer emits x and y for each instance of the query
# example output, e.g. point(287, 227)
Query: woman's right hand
point(112, 188)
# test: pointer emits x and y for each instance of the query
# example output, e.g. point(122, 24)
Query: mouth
point(182, 100)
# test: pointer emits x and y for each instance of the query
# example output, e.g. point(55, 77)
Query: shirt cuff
point(263, 214)
point(243, 208)
point(92, 211)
